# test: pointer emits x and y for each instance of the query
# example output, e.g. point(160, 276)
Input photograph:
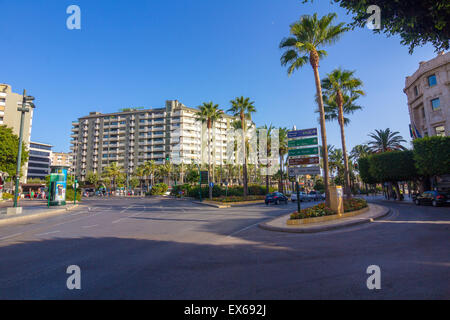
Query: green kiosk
point(58, 186)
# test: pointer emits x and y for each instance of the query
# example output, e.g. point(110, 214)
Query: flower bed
point(321, 210)
point(238, 199)
point(354, 204)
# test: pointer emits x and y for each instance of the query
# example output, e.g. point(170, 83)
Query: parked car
point(433, 198)
point(315, 196)
point(303, 197)
point(276, 198)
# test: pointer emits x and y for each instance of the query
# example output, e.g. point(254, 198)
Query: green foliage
point(432, 155)
point(193, 176)
point(134, 182)
point(364, 171)
point(393, 166)
point(9, 145)
point(70, 195)
point(159, 189)
point(7, 196)
point(319, 186)
point(416, 22)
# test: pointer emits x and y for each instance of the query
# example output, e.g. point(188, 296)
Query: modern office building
point(10, 117)
point(39, 160)
point(428, 92)
point(134, 136)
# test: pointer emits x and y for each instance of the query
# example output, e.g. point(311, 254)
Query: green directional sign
point(304, 152)
point(303, 142)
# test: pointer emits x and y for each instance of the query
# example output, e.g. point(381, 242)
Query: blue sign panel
point(302, 133)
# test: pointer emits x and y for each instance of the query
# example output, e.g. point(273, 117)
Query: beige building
point(134, 136)
point(9, 116)
point(62, 159)
point(428, 92)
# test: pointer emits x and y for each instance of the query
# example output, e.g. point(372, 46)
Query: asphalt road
point(172, 249)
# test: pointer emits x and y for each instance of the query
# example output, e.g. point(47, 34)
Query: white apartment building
point(134, 136)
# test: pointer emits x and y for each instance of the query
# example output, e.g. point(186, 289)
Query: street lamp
point(26, 100)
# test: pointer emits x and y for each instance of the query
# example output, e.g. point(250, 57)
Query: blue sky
point(142, 53)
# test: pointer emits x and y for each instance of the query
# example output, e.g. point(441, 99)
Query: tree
point(209, 113)
point(9, 146)
point(359, 151)
point(385, 140)
point(341, 87)
point(149, 170)
point(417, 22)
point(139, 173)
point(393, 166)
point(307, 37)
point(432, 156)
point(268, 130)
point(113, 172)
point(243, 108)
point(93, 178)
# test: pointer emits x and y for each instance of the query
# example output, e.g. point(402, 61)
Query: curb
point(317, 229)
point(45, 214)
point(229, 205)
point(212, 205)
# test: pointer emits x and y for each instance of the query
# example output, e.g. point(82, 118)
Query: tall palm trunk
point(348, 191)
point(209, 160)
point(244, 169)
point(314, 60)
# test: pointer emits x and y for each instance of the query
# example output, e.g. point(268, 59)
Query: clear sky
point(142, 53)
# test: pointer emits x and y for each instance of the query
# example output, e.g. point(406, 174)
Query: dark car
point(276, 198)
point(433, 198)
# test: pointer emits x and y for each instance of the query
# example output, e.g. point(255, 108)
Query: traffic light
point(167, 158)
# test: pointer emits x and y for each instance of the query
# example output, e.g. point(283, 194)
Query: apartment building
point(134, 136)
point(428, 92)
point(62, 159)
point(39, 160)
point(10, 117)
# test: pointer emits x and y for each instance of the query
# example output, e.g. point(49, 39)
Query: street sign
point(303, 171)
point(302, 133)
point(304, 152)
point(303, 161)
point(303, 142)
point(211, 184)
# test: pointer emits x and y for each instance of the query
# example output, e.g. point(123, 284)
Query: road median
point(280, 224)
point(34, 213)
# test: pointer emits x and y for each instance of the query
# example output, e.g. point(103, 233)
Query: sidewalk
point(33, 212)
point(406, 200)
point(280, 224)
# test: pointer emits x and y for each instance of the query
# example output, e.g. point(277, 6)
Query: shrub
point(319, 210)
point(238, 198)
point(185, 188)
point(7, 196)
point(354, 204)
point(159, 189)
point(70, 195)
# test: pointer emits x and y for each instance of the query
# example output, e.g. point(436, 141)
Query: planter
point(297, 222)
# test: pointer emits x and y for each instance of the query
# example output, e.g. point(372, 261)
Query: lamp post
point(23, 109)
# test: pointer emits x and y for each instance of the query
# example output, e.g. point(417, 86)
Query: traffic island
point(222, 205)
point(326, 223)
point(32, 213)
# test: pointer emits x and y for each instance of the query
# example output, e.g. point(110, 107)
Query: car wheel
point(417, 202)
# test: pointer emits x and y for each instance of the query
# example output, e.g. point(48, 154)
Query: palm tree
point(385, 140)
point(140, 173)
point(209, 113)
point(243, 108)
point(343, 88)
point(268, 129)
point(113, 172)
point(283, 150)
point(149, 170)
point(307, 36)
point(359, 151)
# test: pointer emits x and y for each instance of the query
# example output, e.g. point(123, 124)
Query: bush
point(159, 189)
point(354, 204)
point(319, 210)
point(7, 196)
point(238, 198)
point(185, 188)
point(70, 195)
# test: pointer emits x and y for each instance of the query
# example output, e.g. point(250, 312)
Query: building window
point(440, 131)
point(432, 80)
point(416, 91)
point(436, 104)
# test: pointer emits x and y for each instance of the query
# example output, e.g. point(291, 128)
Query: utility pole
point(23, 109)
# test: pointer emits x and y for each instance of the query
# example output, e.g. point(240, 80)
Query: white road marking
point(241, 230)
point(47, 233)
point(130, 216)
point(11, 236)
point(86, 227)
